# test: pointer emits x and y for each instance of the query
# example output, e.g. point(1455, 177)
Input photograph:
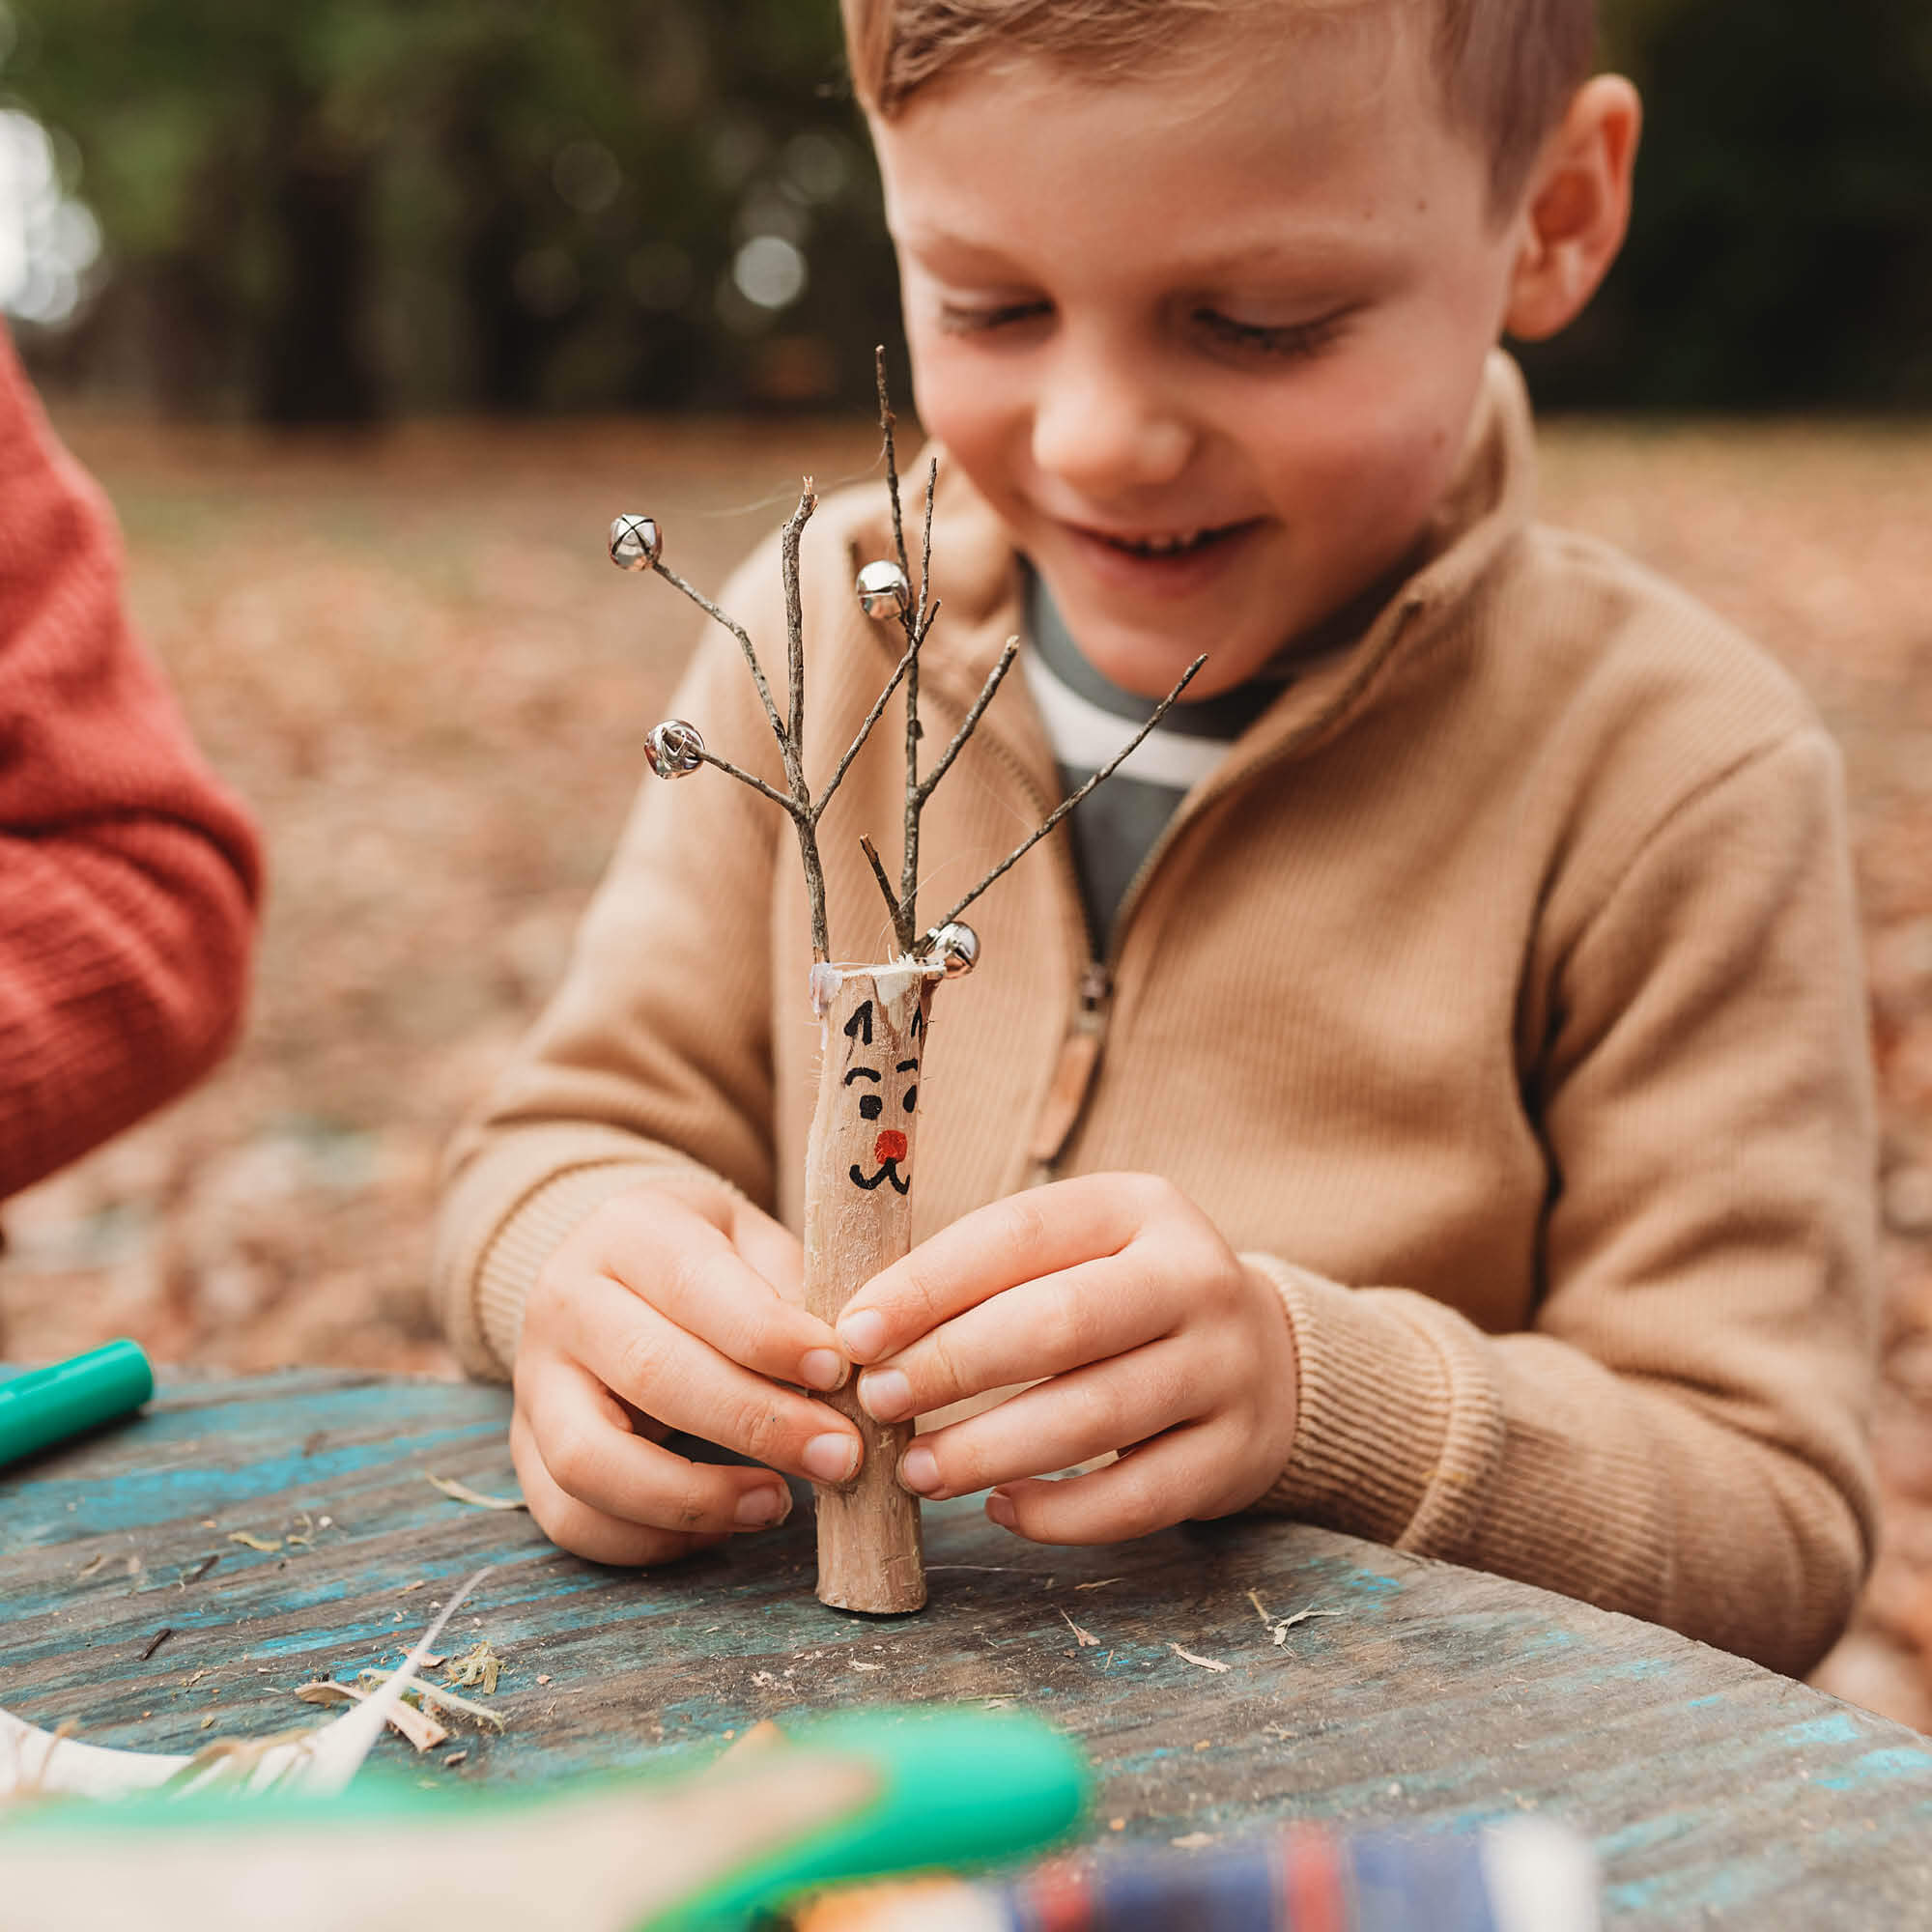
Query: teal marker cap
point(47, 1406)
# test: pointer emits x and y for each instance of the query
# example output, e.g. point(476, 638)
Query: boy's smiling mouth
point(1174, 563)
point(1175, 544)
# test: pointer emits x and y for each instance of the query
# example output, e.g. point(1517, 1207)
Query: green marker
point(47, 1406)
point(955, 1790)
point(959, 1790)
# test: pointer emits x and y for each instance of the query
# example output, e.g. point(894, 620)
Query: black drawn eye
point(911, 1098)
point(871, 1106)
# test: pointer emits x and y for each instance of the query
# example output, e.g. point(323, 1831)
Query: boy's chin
point(1150, 662)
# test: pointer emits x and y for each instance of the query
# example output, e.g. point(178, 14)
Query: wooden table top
point(1716, 1792)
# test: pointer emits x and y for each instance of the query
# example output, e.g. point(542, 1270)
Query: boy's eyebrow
point(1324, 252)
point(854, 1073)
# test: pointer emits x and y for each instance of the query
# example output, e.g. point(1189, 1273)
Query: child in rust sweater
point(1477, 1153)
point(129, 876)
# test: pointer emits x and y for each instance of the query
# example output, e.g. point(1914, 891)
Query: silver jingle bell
point(883, 589)
point(955, 945)
point(674, 750)
point(636, 543)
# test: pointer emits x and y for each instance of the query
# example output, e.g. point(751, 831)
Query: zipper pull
point(1074, 1076)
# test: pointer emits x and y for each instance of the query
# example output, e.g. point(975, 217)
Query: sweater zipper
point(1080, 1049)
point(1079, 1060)
point(1077, 1069)
point(1073, 1076)
point(1079, 1066)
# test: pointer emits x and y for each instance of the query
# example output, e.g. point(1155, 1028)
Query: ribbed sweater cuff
point(1400, 1428)
point(542, 1222)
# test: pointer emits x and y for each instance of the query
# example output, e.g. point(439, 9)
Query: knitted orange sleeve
point(129, 876)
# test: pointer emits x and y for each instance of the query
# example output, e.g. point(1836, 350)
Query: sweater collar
point(976, 575)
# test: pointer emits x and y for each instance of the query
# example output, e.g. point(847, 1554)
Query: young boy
point(1477, 1153)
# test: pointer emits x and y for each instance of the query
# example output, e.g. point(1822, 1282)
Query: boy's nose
point(890, 1146)
point(1103, 431)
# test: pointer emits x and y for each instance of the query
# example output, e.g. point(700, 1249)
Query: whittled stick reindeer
point(872, 1019)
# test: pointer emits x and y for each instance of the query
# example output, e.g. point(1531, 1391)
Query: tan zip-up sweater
point(1499, 996)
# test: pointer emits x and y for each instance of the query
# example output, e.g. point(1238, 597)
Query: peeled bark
point(857, 1219)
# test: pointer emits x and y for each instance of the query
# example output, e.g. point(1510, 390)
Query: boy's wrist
point(1397, 1423)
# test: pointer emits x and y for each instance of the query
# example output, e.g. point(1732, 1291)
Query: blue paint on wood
point(1716, 1792)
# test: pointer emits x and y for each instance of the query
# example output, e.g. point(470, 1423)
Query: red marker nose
point(890, 1146)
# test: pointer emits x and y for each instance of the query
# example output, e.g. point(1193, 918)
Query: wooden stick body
point(857, 1217)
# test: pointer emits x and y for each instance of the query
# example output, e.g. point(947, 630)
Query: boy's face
point(1209, 343)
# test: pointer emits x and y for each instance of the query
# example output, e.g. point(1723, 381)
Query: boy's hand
point(1151, 1334)
point(669, 1309)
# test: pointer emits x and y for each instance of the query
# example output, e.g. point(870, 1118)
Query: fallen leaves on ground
point(411, 654)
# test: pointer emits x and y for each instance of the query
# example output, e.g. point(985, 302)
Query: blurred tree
point(513, 203)
point(317, 212)
point(1781, 251)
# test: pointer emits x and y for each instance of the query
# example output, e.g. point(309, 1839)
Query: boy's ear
point(1576, 208)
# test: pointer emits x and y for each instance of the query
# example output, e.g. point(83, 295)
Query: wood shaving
point(448, 1700)
point(88, 1568)
point(1105, 1580)
point(857, 1665)
point(416, 1586)
point(1086, 1639)
point(1302, 1616)
point(418, 1726)
point(480, 1665)
point(1194, 1841)
point(462, 1492)
point(200, 1569)
point(454, 1759)
point(1203, 1663)
point(1279, 1629)
point(268, 1546)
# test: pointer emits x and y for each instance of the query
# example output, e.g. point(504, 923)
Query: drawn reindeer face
point(882, 1087)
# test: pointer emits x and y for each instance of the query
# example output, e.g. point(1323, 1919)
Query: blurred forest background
point(335, 212)
point(369, 314)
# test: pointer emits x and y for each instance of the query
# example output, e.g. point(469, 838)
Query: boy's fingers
point(1151, 1489)
point(772, 1250)
point(579, 1526)
point(681, 1263)
point(983, 1253)
point(1036, 1328)
point(1068, 1420)
point(670, 1374)
point(597, 1465)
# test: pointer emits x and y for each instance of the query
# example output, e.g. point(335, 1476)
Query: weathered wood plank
point(1717, 1792)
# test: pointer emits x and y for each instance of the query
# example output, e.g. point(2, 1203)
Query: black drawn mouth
point(889, 1172)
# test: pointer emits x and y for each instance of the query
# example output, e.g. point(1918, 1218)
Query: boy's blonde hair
point(1508, 67)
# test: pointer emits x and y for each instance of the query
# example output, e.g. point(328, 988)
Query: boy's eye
point(966, 319)
point(1284, 339)
point(871, 1106)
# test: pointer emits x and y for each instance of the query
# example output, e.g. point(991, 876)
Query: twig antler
point(675, 749)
